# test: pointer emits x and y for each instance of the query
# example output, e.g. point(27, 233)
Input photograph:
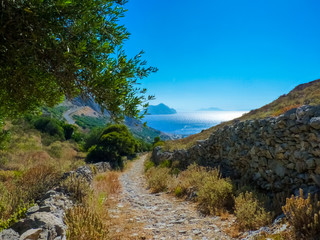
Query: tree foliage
point(55, 48)
point(114, 142)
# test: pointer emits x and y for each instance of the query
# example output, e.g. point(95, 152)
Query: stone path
point(165, 217)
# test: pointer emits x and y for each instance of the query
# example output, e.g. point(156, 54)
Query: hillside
point(307, 93)
point(87, 115)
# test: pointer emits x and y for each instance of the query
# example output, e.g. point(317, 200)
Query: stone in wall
point(45, 220)
point(277, 154)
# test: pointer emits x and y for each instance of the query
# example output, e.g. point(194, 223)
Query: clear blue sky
point(235, 55)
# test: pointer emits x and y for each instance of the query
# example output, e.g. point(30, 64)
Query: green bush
point(148, 164)
point(157, 144)
point(114, 142)
point(165, 164)
point(68, 131)
point(50, 126)
point(92, 138)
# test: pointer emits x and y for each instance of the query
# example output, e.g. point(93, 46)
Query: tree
point(55, 48)
point(114, 142)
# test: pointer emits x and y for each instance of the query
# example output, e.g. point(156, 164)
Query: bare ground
point(160, 216)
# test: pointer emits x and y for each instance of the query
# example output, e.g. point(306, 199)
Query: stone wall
point(277, 154)
point(45, 220)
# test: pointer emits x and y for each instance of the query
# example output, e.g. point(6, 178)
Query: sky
point(230, 54)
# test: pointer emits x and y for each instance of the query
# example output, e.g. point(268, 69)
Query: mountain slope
point(87, 114)
point(307, 93)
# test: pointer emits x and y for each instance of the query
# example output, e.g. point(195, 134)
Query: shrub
point(303, 215)
point(13, 205)
point(4, 138)
point(215, 194)
point(114, 142)
point(250, 212)
point(77, 186)
point(178, 192)
point(92, 138)
point(148, 164)
point(68, 131)
point(157, 144)
point(192, 179)
point(55, 149)
point(83, 224)
point(50, 126)
point(165, 164)
point(158, 179)
point(38, 180)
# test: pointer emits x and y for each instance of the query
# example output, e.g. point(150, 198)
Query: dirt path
point(163, 216)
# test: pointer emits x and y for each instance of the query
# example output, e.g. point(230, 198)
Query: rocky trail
point(162, 216)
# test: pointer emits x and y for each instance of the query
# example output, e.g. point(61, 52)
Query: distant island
point(160, 109)
point(211, 109)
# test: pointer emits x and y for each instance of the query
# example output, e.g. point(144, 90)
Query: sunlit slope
point(307, 93)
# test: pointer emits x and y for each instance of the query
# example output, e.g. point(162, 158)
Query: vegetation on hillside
point(112, 144)
point(308, 93)
point(31, 164)
point(87, 122)
point(39, 149)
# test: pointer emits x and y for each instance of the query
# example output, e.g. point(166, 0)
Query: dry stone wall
point(45, 220)
point(277, 154)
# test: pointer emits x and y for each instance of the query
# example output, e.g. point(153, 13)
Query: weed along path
point(163, 216)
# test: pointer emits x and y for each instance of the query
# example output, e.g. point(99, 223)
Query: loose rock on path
point(165, 217)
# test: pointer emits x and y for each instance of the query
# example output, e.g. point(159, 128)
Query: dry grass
point(250, 212)
point(28, 169)
point(158, 179)
point(106, 218)
point(83, 224)
point(214, 194)
point(108, 183)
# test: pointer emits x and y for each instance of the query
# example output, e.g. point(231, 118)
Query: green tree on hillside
point(55, 48)
point(113, 143)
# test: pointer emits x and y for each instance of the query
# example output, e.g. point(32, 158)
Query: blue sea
point(187, 123)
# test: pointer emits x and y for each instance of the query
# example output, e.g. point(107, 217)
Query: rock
point(290, 166)
point(45, 221)
point(31, 234)
point(9, 234)
point(279, 169)
point(310, 163)
point(315, 122)
point(102, 166)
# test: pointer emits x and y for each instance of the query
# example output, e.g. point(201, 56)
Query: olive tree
point(51, 49)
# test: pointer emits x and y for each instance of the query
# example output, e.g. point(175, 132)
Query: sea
point(187, 123)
